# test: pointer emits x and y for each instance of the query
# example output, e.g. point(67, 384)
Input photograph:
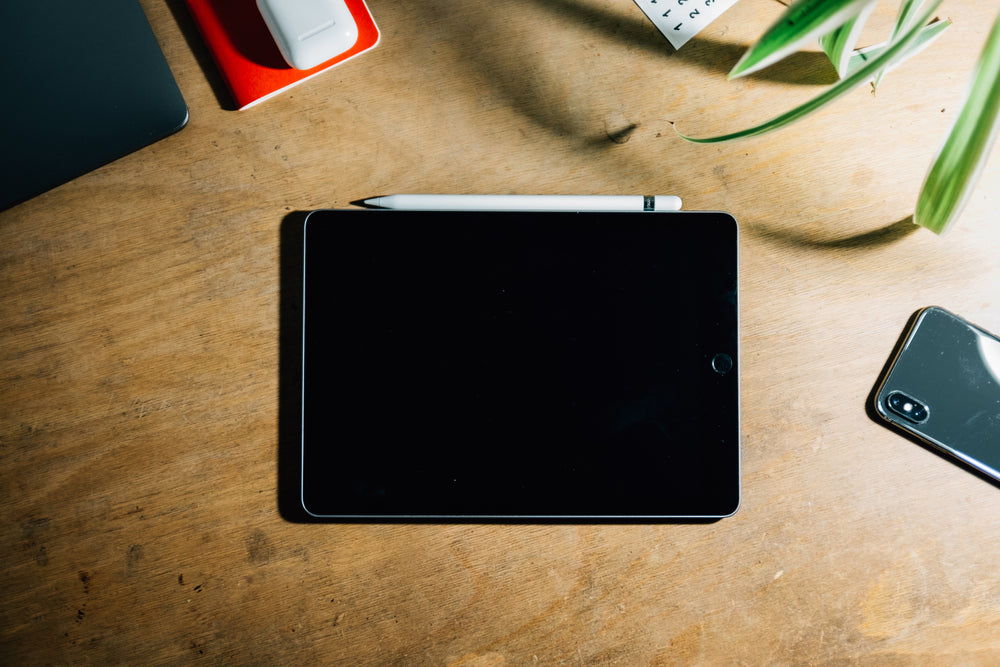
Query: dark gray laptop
point(83, 83)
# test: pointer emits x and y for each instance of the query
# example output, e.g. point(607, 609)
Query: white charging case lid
point(309, 32)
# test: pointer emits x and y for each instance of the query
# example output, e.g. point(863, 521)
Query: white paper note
point(680, 20)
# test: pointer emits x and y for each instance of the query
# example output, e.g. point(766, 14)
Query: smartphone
point(943, 387)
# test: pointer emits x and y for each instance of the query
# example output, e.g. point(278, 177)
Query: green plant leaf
point(955, 171)
point(859, 76)
point(839, 44)
point(801, 22)
point(908, 11)
point(928, 34)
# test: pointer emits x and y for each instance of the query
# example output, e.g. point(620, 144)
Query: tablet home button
point(722, 363)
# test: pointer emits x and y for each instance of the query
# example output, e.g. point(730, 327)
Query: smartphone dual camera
point(942, 387)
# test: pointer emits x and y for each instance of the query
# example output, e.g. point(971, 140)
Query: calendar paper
point(680, 20)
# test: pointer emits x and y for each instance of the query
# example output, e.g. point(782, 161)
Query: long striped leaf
point(859, 76)
point(839, 44)
point(802, 22)
point(908, 11)
point(928, 34)
point(955, 171)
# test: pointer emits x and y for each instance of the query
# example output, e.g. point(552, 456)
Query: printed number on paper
point(680, 20)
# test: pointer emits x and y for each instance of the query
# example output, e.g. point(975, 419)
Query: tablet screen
point(520, 365)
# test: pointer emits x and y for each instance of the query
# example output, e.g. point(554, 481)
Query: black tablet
point(520, 366)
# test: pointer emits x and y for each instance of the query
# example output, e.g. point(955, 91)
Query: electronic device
point(84, 83)
point(520, 366)
point(943, 388)
point(309, 32)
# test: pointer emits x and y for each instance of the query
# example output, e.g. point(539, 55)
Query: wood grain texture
point(140, 311)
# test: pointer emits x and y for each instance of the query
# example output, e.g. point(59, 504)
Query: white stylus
point(526, 202)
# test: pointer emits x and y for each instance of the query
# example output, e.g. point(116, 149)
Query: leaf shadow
point(803, 68)
point(533, 95)
point(869, 240)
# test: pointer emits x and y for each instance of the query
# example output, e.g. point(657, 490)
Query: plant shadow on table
point(290, 402)
point(822, 240)
point(873, 414)
point(801, 68)
point(485, 40)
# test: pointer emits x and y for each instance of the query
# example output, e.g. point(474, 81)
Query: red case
point(247, 56)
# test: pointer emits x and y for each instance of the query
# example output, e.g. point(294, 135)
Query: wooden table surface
point(140, 359)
